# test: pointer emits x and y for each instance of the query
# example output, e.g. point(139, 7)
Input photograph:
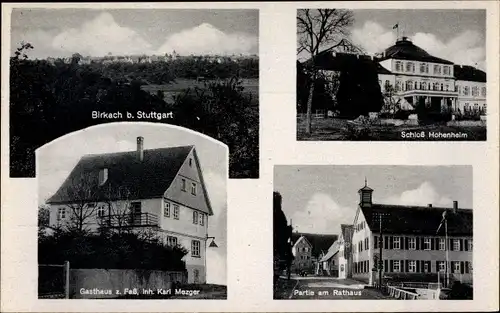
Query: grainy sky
point(456, 35)
point(56, 160)
point(320, 198)
point(62, 32)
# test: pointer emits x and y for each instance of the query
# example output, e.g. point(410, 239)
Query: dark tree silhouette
point(282, 235)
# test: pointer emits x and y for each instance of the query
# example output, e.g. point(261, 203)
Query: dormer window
point(103, 176)
point(190, 162)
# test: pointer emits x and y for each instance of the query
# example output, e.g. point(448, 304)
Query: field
point(329, 129)
point(251, 86)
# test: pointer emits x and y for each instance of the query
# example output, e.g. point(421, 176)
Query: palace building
point(408, 243)
point(410, 76)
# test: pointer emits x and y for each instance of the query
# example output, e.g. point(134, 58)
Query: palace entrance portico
point(434, 101)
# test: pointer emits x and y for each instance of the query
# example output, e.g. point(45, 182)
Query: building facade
point(410, 77)
point(158, 190)
point(302, 252)
point(410, 243)
point(345, 251)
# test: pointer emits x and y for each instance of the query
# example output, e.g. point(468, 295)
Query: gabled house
point(159, 190)
point(328, 264)
point(302, 252)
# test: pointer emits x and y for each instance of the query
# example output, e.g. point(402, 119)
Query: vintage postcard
point(250, 156)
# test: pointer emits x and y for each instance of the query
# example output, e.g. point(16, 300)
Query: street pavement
point(320, 287)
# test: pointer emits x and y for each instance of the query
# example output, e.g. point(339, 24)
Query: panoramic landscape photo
point(74, 68)
point(391, 74)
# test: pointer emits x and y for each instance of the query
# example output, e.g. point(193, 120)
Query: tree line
point(51, 100)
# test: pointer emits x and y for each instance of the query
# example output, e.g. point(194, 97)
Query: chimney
point(140, 148)
point(455, 206)
point(429, 205)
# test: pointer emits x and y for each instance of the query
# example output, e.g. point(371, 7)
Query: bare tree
point(318, 31)
point(82, 206)
point(117, 200)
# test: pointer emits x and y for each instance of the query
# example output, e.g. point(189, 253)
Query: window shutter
point(461, 245)
point(422, 246)
point(450, 244)
point(467, 267)
point(436, 245)
point(391, 263)
point(406, 243)
point(386, 242)
point(417, 243)
point(432, 243)
point(462, 269)
point(386, 265)
point(392, 242)
point(406, 265)
point(466, 245)
point(418, 266)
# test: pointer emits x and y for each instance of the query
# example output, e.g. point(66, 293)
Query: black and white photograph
point(132, 211)
point(72, 68)
point(373, 232)
point(391, 74)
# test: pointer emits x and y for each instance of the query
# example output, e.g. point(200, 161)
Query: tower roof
point(406, 50)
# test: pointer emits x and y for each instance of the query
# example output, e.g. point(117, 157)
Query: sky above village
point(455, 35)
point(62, 32)
point(56, 160)
point(319, 198)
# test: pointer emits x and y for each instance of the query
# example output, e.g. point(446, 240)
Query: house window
point(456, 245)
point(469, 245)
point(202, 219)
point(387, 84)
point(441, 266)
point(470, 266)
point(396, 267)
point(422, 67)
point(61, 213)
point(172, 241)
point(412, 266)
point(456, 267)
point(166, 208)
point(423, 85)
point(426, 267)
point(101, 211)
point(483, 91)
point(466, 90)
point(190, 162)
point(446, 70)
point(193, 189)
point(409, 85)
point(396, 242)
point(427, 243)
point(176, 211)
point(442, 244)
point(183, 184)
point(437, 69)
point(475, 91)
point(195, 217)
point(412, 243)
point(398, 86)
point(427, 68)
point(195, 248)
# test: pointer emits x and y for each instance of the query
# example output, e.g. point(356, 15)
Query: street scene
point(408, 239)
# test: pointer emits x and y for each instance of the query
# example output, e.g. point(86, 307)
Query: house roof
point(347, 231)
point(334, 248)
point(469, 73)
point(302, 238)
point(319, 242)
point(145, 179)
point(418, 220)
point(406, 50)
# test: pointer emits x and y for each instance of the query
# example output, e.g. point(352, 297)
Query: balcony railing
point(129, 220)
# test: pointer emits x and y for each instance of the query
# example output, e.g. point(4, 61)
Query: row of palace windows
point(172, 210)
point(418, 243)
point(415, 266)
point(360, 226)
point(410, 67)
point(474, 91)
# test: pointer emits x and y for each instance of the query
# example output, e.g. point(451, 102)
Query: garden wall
point(101, 283)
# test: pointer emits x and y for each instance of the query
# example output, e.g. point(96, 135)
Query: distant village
point(135, 59)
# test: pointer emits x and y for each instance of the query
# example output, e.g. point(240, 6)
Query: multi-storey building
point(160, 190)
point(345, 251)
point(410, 76)
point(302, 252)
point(410, 242)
